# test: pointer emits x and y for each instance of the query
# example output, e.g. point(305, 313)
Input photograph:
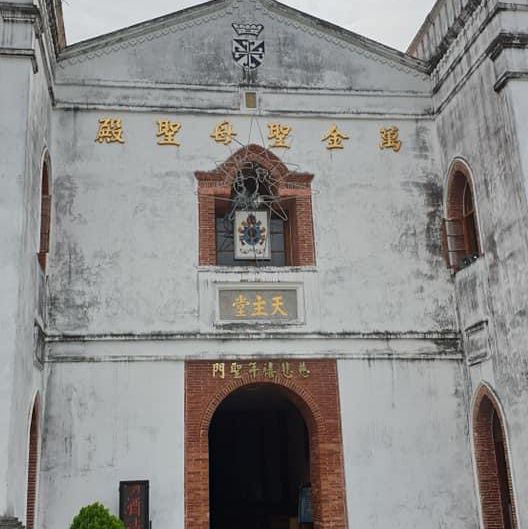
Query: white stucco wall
point(125, 245)
point(24, 134)
point(124, 249)
point(405, 436)
point(112, 422)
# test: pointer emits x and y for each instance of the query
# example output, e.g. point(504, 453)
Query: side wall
point(24, 136)
point(483, 121)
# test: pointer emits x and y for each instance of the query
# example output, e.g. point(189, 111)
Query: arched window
point(254, 211)
point(491, 457)
point(251, 225)
point(45, 215)
point(461, 238)
point(32, 474)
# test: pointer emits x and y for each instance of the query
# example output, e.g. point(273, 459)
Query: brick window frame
point(294, 188)
point(316, 398)
point(45, 213)
point(460, 227)
point(33, 465)
point(493, 483)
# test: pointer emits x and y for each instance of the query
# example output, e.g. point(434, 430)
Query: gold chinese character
point(259, 306)
point(236, 370)
point(303, 370)
point(390, 139)
point(166, 132)
point(286, 370)
point(219, 369)
point(278, 306)
point(253, 369)
point(110, 131)
point(268, 370)
point(223, 133)
point(240, 304)
point(334, 138)
point(278, 133)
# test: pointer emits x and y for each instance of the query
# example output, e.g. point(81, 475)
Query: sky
point(392, 22)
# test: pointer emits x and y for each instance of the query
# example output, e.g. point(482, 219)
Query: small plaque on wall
point(134, 504)
point(269, 304)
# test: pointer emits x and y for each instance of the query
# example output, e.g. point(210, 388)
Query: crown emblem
point(251, 30)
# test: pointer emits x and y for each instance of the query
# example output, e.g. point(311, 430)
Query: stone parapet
point(441, 28)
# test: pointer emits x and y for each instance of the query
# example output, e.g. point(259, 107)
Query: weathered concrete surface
point(25, 111)
point(108, 262)
point(407, 454)
point(129, 303)
point(194, 48)
point(107, 423)
point(482, 120)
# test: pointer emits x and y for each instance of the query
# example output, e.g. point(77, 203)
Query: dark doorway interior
point(258, 460)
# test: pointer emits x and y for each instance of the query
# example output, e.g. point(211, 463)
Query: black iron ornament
point(248, 49)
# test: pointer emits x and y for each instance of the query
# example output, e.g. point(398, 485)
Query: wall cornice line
point(447, 335)
point(64, 359)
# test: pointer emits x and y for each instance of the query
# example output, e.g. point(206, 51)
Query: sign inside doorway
point(305, 505)
point(134, 504)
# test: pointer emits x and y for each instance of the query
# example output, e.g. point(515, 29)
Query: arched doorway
point(493, 469)
point(315, 396)
point(32, 472)
point(259, 460)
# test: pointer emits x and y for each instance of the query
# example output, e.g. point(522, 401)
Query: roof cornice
point(365, 46)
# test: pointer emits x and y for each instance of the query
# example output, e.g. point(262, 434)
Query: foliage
point(96, 516)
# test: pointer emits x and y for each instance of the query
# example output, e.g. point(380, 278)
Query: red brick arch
point(33, 463)
point(492, 460)
point(293, 187)
point(317, 400)
point(302, 399)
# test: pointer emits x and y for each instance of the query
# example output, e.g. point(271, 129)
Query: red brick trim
point(296, 186)
point(45, 212)
point(456, 238)
point(32, 474)
point(317, 399)
point(485, 406)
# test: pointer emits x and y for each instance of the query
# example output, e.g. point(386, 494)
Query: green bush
point(96, 516)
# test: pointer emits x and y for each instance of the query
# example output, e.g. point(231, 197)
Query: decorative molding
point(506, 41)
point(448, 336)
point(10, 11)
point(9, 522)
point(477, 343)
point(508, 76)
point(21, 53)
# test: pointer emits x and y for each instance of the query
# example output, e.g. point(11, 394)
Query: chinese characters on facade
point(268, 370)
point(112, 130)
point(259, 307)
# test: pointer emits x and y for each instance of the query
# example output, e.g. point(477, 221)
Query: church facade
point(259, 271)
